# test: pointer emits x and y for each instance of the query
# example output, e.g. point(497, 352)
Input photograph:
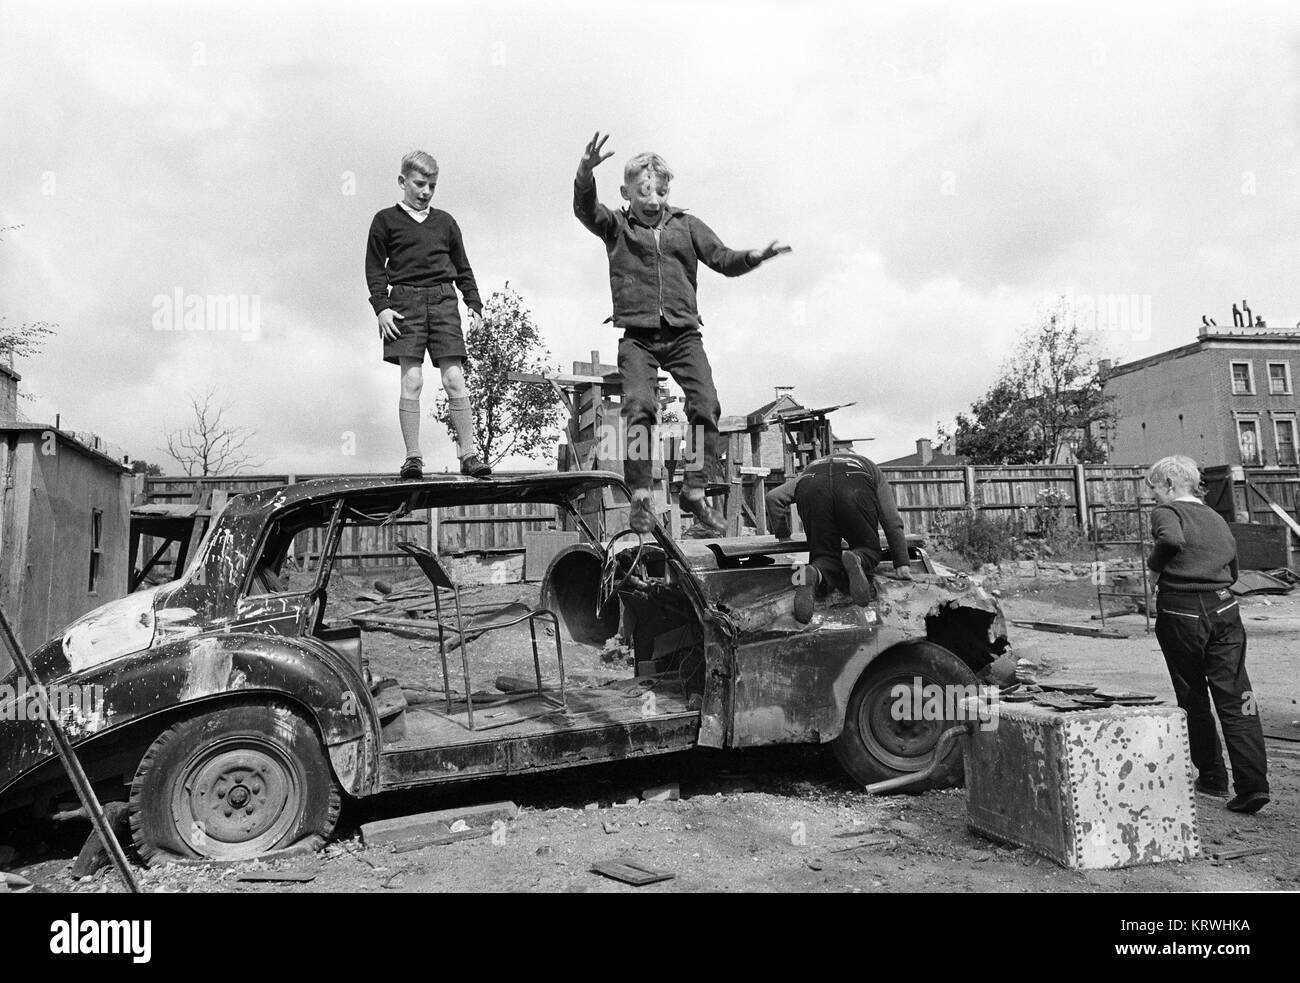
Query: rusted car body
point(232, 714)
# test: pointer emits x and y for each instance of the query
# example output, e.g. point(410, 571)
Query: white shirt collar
point(419, 216)
point(1188, 498)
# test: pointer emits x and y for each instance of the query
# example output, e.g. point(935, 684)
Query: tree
point(144, 467)
point(210, 445)
point(509, 417)
point(998, 429)
point(24, 340)
point(1049, 393)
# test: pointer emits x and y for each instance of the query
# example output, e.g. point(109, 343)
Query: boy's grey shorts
point(430, 322)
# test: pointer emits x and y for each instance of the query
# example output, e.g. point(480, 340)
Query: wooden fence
point(1076, 494)
point(466, 529)
point(1022, 492)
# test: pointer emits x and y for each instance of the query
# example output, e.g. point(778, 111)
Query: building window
point(1279, 379)
point(1248, 441)
point(1243, 379)
point(96, 547)
point(1284, 432)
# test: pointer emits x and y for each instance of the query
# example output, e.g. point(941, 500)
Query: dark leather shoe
point(805, 594)
point(474, 467)
point(709, 522)
point(412, 467)
point(1209, 788)
point(1248, 802)
point(642, 518)
point(859, 582)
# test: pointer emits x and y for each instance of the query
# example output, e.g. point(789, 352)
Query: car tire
point(874, 745)
point(231, 784)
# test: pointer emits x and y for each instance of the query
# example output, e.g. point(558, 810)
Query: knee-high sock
point(462, 422)
point(408, 415)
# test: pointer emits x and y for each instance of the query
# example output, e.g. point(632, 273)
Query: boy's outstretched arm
point(728, 262)
point(590, 212)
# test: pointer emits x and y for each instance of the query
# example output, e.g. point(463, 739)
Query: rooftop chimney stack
point(924, 451)
point(8, 394)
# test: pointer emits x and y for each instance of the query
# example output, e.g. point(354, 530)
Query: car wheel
point(231, 784)
point(882, 737)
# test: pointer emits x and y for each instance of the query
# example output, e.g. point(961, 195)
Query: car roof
point(445, 489)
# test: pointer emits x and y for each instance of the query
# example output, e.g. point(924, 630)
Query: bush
point(976, 537)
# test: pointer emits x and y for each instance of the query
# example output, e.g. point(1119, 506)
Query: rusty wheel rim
point(900, 741)
point(237, 798)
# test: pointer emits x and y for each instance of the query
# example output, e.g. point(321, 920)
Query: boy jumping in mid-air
point(413, 255)
point(654, 251)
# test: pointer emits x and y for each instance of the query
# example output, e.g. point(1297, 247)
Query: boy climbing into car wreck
point(841, 498)
point(654, 251)
point(414, 253)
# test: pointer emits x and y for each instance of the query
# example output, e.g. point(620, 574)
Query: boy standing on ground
point(843, 497)
point(1198, 625)
point(414, 254)
point(654, 251)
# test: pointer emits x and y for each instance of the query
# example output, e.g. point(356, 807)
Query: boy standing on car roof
point(654, 251)
point(839, 497)
point(413, 255)
point(1198, 625)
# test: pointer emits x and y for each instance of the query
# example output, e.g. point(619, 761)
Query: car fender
point(103, 700)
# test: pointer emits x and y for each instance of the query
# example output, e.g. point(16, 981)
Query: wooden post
point(734, 496)
point(1081, 497)
point(1240, 498)
point(968, 480)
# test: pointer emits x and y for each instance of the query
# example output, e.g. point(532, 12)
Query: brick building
point(1227, 398)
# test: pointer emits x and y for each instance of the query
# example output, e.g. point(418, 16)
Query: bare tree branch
point(208, 445)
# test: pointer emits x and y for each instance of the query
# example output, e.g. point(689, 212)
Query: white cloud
point(1097, 149)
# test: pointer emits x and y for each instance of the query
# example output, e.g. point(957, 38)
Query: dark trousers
point(1204, 643)
point(836, 505)
point(680, 353)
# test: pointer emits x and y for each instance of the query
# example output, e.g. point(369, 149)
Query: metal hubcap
point(236, 801)
point(902, 744)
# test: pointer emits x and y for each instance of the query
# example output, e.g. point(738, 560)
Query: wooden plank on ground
point(1063, 629)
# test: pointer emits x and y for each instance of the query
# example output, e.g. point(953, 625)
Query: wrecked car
point(236, 706)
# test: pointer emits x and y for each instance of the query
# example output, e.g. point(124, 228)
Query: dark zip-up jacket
point(652, 270)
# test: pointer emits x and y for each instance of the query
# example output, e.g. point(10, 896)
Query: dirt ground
point(783, 819)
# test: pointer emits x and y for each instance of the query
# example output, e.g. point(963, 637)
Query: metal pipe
point(71, 763)
point(464, 658)
point(946, 740)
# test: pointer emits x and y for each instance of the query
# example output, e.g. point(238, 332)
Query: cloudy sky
point(939, 169)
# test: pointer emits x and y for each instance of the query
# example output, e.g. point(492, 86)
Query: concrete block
point(663, 793)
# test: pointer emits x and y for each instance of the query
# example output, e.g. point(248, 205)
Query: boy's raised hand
point(592, 156)
point(390, 330)
point(773, 248)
